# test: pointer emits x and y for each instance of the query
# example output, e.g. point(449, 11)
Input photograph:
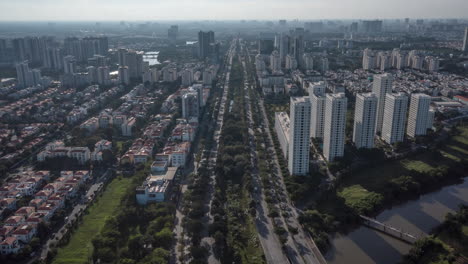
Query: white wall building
point(317, 101)
point(275, 61)
point(299, 136)
point(335, 123)
point(419, 115)
point(393, 128)
point(381, 86)
point(364, 120)
point(282, 125)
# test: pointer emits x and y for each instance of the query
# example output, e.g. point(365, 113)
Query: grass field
point(80, 248)
point(359, 198)
point(355, 189)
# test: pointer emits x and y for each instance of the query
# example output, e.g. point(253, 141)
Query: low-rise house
point(5, 231)
point(25, 233)
point(47, 191)
point(156, 187)
point(36, 218)
point(10, 246)
point(36, 203)
point(25, 211)
point(14, 220)
point(8, 203)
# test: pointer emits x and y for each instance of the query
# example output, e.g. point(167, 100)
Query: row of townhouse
point(18, 229)
point(140, 151)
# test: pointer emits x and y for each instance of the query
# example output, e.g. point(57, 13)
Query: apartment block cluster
point(82, 155)
point(323, 116)
point(19, 225)
point(281, 56)
point(399, 59)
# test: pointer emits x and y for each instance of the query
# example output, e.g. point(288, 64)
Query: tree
point(164, 238)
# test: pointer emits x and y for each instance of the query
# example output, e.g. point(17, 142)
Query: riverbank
point(448, 242)
point(390, 183)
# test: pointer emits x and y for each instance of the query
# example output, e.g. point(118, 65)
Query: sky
point(144, 10)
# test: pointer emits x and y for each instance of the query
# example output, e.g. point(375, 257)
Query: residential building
point(393, 128)
point(335, 124)
point(317, 101)
point(365, 115)
point(299, 136)
point(381, 86)
point(419, 115)
point(282, 126)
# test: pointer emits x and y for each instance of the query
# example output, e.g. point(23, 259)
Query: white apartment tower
point(393, 128)
point(364, 120)
point(317, 101)
point(419, 116)
point(381, 86)
point(335, 123)
point(299, 136)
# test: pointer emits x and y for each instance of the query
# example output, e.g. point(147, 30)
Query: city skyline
point(106, 10)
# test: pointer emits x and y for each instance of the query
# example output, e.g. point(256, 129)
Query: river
point(366, 246)
point(151, 57)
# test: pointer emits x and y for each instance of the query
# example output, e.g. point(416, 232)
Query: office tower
point(69, 64)
point(266, 43)
point(381, 86)
point(465, 41)
point(364, 120)
point(124, 75)
point(205, 39)
point(275, 61)
point(372, 26)
point(172, 33)
point(190, 105)
point(418, 115)
point(308, 60)
point(317, 101)
point(299, 136)
point(393, 128)
point(103, 77)
point(335, 124)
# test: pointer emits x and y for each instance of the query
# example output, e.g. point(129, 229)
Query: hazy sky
point(49, 10)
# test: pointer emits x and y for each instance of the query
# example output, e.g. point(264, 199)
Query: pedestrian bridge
point(390, 230)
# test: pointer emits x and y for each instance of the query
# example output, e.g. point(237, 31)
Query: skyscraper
point(364, 120)
point(393, 128)
point(205, 39)
point(317, 100)
point(465, 41)
point(172, 33)
point(335, 123)
point(299, 136)
point(266, 43)
point(419, 115)
point(381, 86)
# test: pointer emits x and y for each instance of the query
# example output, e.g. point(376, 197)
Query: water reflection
point(418, 217)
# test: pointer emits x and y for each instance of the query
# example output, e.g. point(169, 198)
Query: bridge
point(389, 230)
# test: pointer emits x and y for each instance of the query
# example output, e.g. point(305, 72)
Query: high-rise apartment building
point(299, 136)
point(124, 75)
point(190, 105)
point(365, 115)
point(205, 43)
point(396, 107)
point(69, 64)
point(317, 101)
point(172, 33)
point(465, 41)
point(275, 61)
point(335, 124)
point(419, 115)
point(381, 86)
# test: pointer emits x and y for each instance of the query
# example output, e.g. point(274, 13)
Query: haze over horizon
point(105, 10)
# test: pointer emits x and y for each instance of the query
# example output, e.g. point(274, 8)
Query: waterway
point(151, 57)
point(367, 246)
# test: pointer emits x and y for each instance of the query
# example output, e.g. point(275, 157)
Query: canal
point(366, 246)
